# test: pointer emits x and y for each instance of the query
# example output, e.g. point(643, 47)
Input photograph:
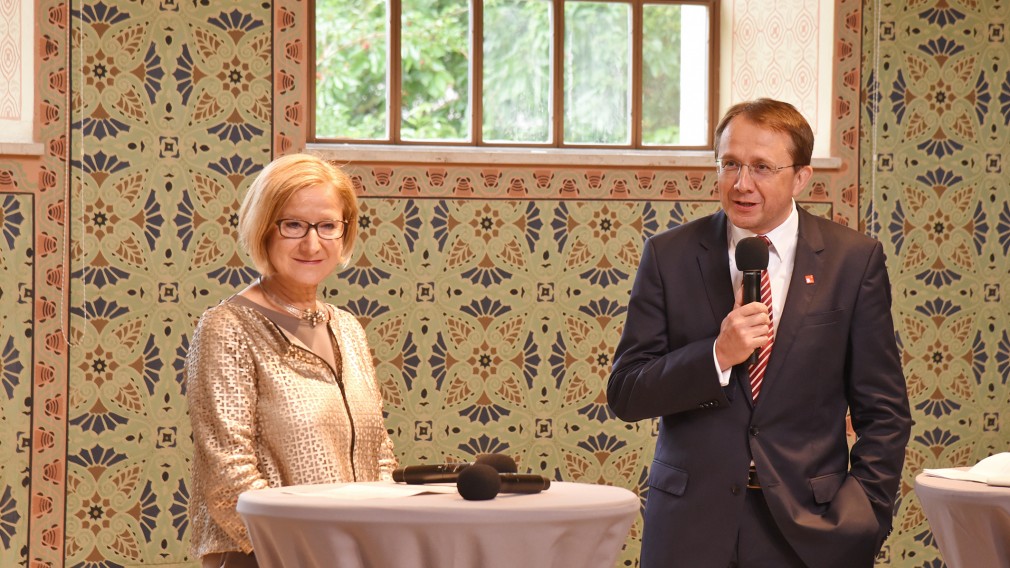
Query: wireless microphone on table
point(448, 472)
point(481, 482)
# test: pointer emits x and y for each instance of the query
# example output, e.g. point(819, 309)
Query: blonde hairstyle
point(272, 188)
point(778, 116)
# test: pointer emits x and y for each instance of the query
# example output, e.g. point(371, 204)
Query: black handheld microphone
point(751, 260)
point(481, 482)
point(448, 472)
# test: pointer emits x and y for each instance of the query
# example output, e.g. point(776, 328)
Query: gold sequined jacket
point(267, 412)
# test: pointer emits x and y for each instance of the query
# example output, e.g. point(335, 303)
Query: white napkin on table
point(993, 470)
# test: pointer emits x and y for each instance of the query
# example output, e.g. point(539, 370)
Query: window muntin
point(561, 73)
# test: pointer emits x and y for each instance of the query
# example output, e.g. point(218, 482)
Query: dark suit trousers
point(760, 543)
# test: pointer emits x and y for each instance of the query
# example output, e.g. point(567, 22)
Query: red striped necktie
point(757, 370)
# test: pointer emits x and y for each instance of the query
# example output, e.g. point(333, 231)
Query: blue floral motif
point(486, 274)
point(602, 443)
point(102, 14)
point(365, 308)
point(938, 407)
point(937, 439)
point(148, 514)
point(235, 21)
point(236, 167)
point(184, 66)
point(982, 97)
point(873, 96)
point(560, 225)
point(557, 359)
point(152, 364)
point(1004, 99)
point(938, 309)
point(940, 146)
point(484, 411)
point(101, 276)
point(101, 125)
point(979, 358)
point(101, 162)
point(153, 74)
point(409, 361)
point(1003, 357)
point(437, 360)
point(179, 509)
point(941, 49)
point(532, 225)
point(939, 178)
point(604, 275)
point(980, 228)
point(364, 276)
point(531, 360)
point(9, 517)
point(440, 223)
point(98, 420)
point(97, 456)
point(900, 97)
point(234, 276)
point(153, 220)
point(1003, 228)
point(484, 444)
point(235, 130)
point(485, 309)
point(942, 16)
point(12, 220)
point(184, 220)
point(412, 223)
point(12, 368)
point(604, 308)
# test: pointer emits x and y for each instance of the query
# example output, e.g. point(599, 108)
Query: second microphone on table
point(449, 472)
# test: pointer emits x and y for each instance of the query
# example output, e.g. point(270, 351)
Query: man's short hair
point(778, 116)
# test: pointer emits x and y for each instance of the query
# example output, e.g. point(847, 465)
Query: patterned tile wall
point(492, 297)
point(935, 127)
point(16, 310)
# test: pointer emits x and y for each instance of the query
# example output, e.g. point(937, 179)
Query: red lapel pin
point(809, 278)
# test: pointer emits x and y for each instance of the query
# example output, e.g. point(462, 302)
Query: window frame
point(394, 71)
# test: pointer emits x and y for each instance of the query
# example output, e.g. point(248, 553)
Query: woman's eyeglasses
point(296, 228)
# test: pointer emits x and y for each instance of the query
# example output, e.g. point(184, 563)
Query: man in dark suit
point(762, 475)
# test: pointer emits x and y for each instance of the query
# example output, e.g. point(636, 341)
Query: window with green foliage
point(552, 73)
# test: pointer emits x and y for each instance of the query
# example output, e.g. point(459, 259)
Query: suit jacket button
point(734, 489)
point(754, 430)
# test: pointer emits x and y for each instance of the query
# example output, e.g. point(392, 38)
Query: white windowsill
point(22, 149)
point(568, 157)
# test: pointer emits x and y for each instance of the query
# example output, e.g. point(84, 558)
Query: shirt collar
point(783, 237)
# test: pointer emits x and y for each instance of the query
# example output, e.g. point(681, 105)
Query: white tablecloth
point(971, 521)
point(569, 525)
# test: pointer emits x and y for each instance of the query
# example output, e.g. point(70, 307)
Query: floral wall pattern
point(493, 296)
point(936, 114)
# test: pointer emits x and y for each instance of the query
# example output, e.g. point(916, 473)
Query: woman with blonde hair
point(281, 386)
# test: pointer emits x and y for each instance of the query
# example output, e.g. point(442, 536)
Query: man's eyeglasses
point(760, 170)
point(296, 228)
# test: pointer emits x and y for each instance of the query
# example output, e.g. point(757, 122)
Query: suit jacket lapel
point(713, 261)
point(809, 246)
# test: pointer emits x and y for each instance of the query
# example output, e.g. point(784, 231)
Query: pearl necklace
point(313, 317)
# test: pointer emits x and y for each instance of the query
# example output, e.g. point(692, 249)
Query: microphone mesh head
point(751, 254)
point(478, 482)
point(500, 462)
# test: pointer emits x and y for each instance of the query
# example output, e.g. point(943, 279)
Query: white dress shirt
point(781, 257)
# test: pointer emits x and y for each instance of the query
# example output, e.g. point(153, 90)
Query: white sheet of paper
point(375, 490)
point(993, 470)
